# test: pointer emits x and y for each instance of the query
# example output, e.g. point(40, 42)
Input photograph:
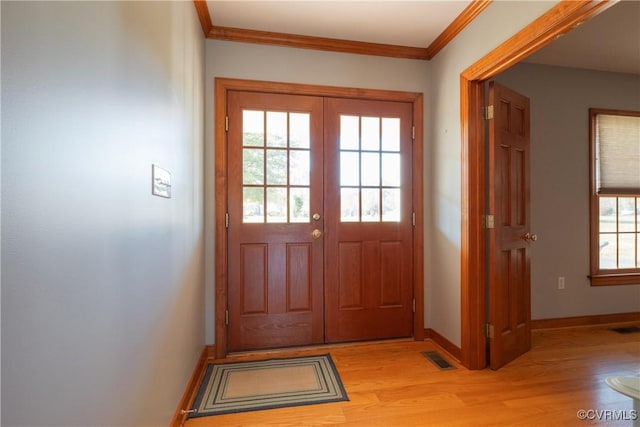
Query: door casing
point(222, 87)
point(560, 19)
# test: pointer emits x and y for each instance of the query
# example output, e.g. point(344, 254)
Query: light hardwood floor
point(392, 384)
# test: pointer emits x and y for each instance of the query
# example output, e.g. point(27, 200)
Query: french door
point(275, 283)
point(369, 260)
point(320, 216)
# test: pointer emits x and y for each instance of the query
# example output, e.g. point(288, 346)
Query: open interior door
point(508, 225)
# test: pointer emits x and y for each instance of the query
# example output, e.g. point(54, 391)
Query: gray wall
point(560, 101)
point(102, 283)
point(495, 24)
point(271, 63)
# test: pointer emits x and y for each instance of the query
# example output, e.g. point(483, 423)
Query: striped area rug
point(274, 383)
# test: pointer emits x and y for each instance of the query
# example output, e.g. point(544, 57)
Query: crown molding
point(203, 15)
point(338, 45)
point(466, 16)
point(316, 43)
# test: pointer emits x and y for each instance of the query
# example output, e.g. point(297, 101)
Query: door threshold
point(312, 348)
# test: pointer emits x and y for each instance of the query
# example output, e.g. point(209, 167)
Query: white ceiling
point(406, 23)
point(609, 42)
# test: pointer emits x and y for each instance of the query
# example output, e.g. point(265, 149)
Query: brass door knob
point(530, 237)
point(316, 234)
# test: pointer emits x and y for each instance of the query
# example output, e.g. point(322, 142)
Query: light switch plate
point(160, 182)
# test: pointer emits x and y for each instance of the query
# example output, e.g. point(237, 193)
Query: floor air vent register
point(626, 329)
point(440, 362)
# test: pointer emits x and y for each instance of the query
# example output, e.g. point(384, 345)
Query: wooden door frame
point(222, 87)
point(560, 19)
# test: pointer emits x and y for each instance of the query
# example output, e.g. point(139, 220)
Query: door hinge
point(413, 132)
point(226, 123)
point(413, 219)
point(488, 330)
point(414, 305)
point(226, 317)
point(488, 112)
point(489, 221)
point(226, 220)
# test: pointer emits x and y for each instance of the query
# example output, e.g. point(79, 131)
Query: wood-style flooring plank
point(392, 384)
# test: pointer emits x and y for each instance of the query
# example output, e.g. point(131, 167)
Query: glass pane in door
point(276, 168)
point(299, 204)
point(252, 128)
point(299, 136)
point(370, 169)
point(253, 204)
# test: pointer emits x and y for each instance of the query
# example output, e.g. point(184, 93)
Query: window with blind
point(615, 197)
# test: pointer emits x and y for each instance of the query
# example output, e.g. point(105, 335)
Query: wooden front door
point(319, 220)
point(369, 255)
point(275, 288)
point(509, 235)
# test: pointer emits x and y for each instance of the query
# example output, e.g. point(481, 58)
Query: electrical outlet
point(560, 282)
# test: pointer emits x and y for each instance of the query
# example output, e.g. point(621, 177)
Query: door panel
point(253, 278)
point(275, 283)
point(509, 258)
point(369, 258)
point(299, 280)
point(320, 220)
